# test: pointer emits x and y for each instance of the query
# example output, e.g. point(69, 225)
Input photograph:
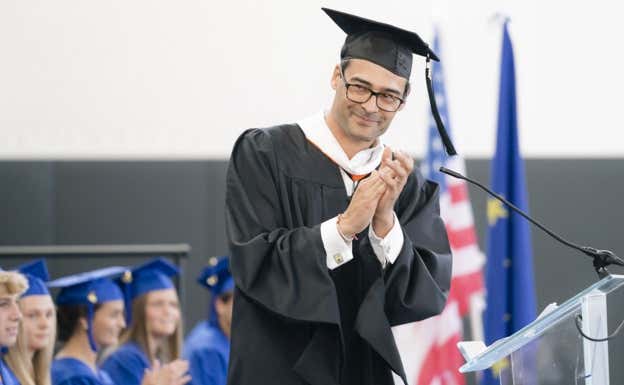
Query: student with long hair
point(90, 318)
point(12, 285)
point(154, 334)
point(31, 356)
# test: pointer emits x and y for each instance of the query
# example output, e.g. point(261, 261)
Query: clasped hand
point(172, 373)
point(374, 199)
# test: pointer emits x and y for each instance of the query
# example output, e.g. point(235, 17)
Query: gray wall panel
point(117, 202)
point(26, 203)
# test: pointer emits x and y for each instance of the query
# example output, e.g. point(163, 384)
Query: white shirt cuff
point(338, 251)
point(387, 249)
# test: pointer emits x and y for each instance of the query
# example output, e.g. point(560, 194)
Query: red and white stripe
point(429, 348)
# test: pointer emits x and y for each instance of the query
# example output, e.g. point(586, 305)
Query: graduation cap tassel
point(448, 145)
point(127, 302)
point(213, 318)
point(90, 314)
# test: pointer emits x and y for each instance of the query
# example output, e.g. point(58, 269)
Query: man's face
point(364, 122)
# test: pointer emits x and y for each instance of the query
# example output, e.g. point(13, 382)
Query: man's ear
point(335, 79)
point(408, 90)
point(83, 323)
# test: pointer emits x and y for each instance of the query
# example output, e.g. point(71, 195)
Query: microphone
point(601, 258)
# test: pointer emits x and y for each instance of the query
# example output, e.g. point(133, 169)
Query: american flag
point(429, 348)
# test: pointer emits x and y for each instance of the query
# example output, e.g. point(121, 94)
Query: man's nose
point(370, 105)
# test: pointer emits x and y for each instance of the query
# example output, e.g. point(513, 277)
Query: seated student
point(90, 318)
point(31, 356)
point(207, 347)
point(12, 285)
point(154, 334)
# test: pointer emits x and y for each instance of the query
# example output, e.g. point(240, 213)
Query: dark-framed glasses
point(358, 93)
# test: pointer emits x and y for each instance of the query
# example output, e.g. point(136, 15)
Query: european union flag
point(509, 268)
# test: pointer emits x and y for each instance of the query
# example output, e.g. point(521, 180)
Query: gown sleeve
point(207, 367)
point(125, 367)
point(274, 265)
point(417, 283)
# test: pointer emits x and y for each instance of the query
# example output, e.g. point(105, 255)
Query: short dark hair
point(344, 63)
point(67, 317)
point(227, 296)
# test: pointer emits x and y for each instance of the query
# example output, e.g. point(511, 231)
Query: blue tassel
point(90, 314)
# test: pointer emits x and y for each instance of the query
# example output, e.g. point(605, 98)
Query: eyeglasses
point(358, 93)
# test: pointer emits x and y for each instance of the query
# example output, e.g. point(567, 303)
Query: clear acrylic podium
point(550, 350)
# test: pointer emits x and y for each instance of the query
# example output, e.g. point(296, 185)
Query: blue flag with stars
point(510, 286)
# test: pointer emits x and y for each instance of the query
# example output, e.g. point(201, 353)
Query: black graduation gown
point(294, 320)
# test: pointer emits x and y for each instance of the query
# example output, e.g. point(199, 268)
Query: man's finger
point(387, 170)
point(397, 167)
point(371, 180)
point(405, 160)
point(392, 180)
point(387, 154)
point(372, 191)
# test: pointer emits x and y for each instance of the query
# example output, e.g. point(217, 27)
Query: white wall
point(180, 79)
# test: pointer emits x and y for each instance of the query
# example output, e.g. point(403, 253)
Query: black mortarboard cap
point(383, 44)
point(391, 48)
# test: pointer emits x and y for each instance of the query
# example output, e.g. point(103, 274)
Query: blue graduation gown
point(71, 371)
point(8, 378)
point(127, 364)
point(207, 349)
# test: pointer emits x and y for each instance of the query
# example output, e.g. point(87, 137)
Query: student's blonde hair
point(37, 371)
point(12, 283)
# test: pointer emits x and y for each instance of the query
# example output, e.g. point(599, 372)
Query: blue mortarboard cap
point(93, 287)
point(150, 276)
point(37, 274)
point(89, 288)
point(153, 275)
point(216, 277)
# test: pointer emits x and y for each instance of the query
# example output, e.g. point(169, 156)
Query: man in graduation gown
point(334, 238)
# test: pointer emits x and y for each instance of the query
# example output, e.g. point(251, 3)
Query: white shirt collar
point(316, 131)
